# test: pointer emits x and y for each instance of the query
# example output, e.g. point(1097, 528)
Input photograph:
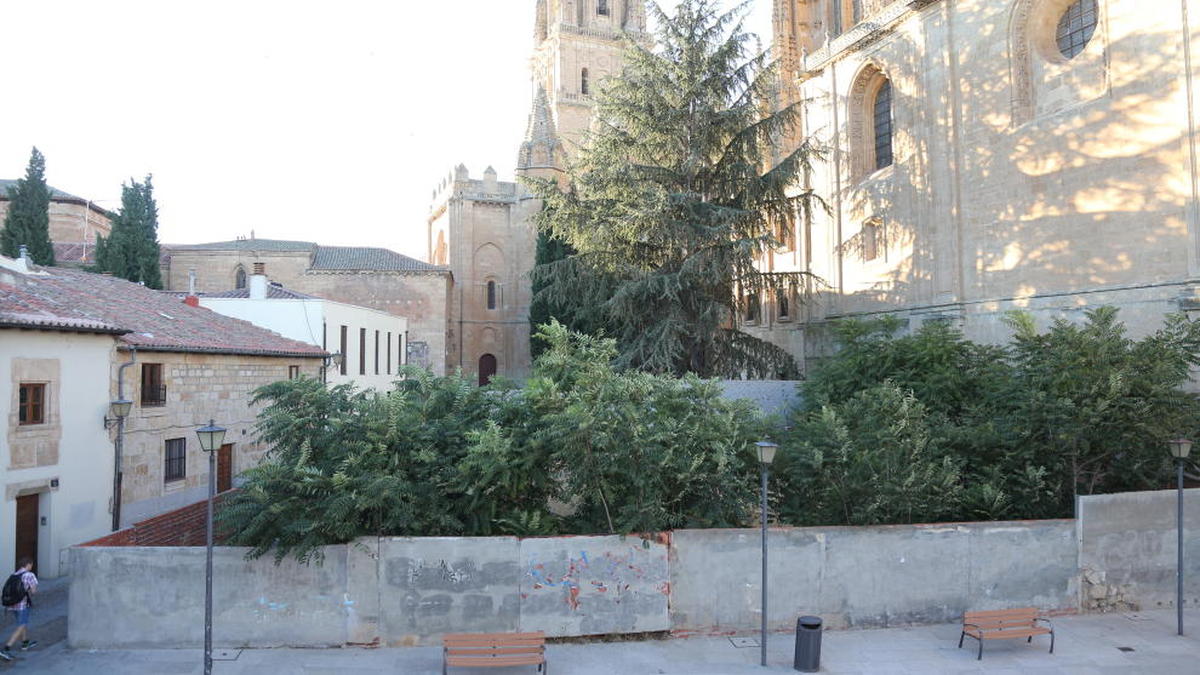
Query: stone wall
point(1128, 549)
point(199, 387)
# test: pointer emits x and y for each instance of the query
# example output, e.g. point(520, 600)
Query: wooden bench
point(1003, 624)
point(494, 650)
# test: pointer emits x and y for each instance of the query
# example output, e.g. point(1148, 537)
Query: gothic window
point(870, 240)
point(239, 277)
point(835, 18)
point(856, 11)
point(784, 310)
point(882, 119)
point(602, 7)
point(753, 307)
point(1075, 27)
point(491, 295)
point(583, 82)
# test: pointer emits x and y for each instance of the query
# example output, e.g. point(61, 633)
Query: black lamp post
point(119, 409)
point(766, 455)
point(1180, 447)
point(211, 437)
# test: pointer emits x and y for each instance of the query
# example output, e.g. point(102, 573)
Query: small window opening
point(491, 295)
point(583, 82)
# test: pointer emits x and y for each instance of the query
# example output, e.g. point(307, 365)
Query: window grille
point(1075, 27)
point(882, 117)
point(175, 466)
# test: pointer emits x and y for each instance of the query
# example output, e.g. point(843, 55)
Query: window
point(362, 351)
point(583, 82)
point(856, 11)
point(835, 18)
point(293, 372)
point(491, 295)
point(239, 277)
point(870, 240)
point(175, 465)
point(154, 392)
point(389, 351)
point(345, 353)
point(602, 8)
point(784, 310)
point(376, 352)
point(753, 307)
point(1075, 27)
point(31, 404)
point(882, 118)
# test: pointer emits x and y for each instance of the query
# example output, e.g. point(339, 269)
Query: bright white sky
point(322, 121)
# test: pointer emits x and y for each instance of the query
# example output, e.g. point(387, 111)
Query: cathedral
point(983, 156)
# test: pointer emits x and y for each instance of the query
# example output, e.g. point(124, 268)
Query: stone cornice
point(860, 35)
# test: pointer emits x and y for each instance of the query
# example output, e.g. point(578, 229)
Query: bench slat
point(498, 662)
point(470, 651)
point(483, 644)
point(1007, 634)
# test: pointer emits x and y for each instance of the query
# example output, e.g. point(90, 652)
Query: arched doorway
point(487, 368)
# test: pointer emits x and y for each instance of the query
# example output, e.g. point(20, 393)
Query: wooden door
point(487, 368)
point(225, 467)
point(27, 529)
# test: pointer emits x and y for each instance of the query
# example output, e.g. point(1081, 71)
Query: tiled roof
point(154, 321)
point(277, 245)
point(55, 195)
point(364, 258)
point(326, 258)
point(274, 292)
point(73, 253)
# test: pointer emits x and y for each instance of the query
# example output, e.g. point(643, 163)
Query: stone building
point(482, 229)
point(983, 156)
point(71, 342)
point(74, 224)
point(370, 277)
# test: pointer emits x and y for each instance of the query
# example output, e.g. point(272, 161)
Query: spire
point(541, 149)
point(539, 23)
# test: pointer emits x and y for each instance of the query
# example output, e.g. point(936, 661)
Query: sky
point(319, 121)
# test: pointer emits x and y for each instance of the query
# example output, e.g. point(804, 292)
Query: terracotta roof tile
point(154, 321)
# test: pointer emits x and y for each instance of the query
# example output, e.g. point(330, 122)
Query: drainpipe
point(119, 445)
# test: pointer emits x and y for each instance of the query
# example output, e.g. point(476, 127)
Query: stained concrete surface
point(1086, 644)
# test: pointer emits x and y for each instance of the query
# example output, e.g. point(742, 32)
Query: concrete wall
point(1128, 548)
point(869, 576)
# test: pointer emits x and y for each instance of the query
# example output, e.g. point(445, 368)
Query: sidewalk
point(1086, 645)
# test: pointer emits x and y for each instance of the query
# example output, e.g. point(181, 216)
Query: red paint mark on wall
point(573, 598)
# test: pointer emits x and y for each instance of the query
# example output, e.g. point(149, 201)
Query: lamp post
point(334, 360)
point(119, 409)
point(766, 455)
point(1180, 447)
point(211, 437)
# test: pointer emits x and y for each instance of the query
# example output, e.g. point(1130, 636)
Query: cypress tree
point(131, 251)
point(674, 196)
point(28, 220)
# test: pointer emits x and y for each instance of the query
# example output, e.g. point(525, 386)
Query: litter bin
point(808, 644)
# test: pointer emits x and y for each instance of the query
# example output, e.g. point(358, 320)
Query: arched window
point(491, 295)
point(583, 82)
point(602, 7)
point(487, 368)
point(882, 118)
point(1075, 27)
point(239, 277)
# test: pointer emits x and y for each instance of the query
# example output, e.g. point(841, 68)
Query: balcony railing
point(154, 397)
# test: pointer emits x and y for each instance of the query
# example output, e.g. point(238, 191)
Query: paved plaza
point(1143, 642)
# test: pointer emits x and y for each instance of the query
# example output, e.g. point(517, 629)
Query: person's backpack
point(14, 590)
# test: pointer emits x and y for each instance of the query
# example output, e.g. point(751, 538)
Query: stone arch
point(488, 259)
point(860, 117)
point(487, 368)
point(239, 277)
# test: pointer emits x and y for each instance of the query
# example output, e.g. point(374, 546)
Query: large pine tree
point(673, 198)
point(28, 220)
point(131, 251)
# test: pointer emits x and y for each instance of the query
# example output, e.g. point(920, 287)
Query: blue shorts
point(22, 616)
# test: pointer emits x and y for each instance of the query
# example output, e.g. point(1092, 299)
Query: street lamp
point(766, 455)
point(1180, 447)
point(119, 409)
point(211, 437)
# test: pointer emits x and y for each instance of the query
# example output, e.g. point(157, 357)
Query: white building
point(372, 344)
point(56, 463)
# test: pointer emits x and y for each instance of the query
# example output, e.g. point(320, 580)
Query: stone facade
point(482, 228)
point(1022, 178)
point(199, 387)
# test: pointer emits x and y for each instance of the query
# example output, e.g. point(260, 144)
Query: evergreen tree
point(28, 219)
point(131, 251)
point(673, 199)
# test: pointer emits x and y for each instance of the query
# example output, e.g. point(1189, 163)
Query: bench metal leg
point(1051, 642)
point(960, 638)
point(980, 657)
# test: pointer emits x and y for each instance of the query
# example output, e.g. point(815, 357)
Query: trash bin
point(808, 644)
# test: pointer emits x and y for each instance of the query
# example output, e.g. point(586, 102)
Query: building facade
point(376, 278)
point(371, 344)
point(75, 223)
point(983, 156)
point(71, 343)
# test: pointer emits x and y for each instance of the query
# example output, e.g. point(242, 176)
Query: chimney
point(258, 282)
point(191, 301)
point(23, 255)
point(191, 282)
